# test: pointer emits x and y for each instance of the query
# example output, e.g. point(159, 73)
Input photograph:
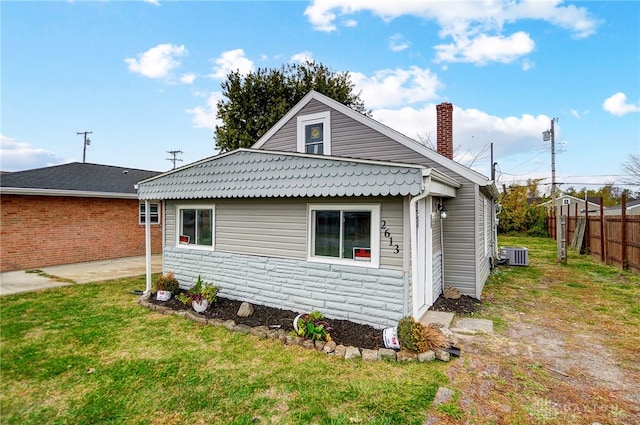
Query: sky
point(145, 76)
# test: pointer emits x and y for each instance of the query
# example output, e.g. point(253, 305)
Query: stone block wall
point(369, 296)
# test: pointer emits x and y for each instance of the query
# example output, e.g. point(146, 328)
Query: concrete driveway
point(94, 271)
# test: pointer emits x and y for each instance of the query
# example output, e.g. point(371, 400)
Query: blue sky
point(144, 76)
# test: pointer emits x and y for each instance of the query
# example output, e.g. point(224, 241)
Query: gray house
point(332, 211)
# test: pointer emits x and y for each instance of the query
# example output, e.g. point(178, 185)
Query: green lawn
point(88, 354)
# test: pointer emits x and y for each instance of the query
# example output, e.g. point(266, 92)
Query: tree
point(518, 214)
point(256, 101)
point(632, 167)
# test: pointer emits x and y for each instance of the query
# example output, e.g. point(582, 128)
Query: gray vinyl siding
point(464, 266)
point(277, 227)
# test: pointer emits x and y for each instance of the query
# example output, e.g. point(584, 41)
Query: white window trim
point(487, 227)
point(141, 204)
point(566, 202)
point(375, 234)
point(304, 120)
point(179, 209)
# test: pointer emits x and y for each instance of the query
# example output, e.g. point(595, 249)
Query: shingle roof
point(77, 176)
point(246, 173)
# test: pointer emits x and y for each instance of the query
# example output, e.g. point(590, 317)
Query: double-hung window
point(314, 133)
point(154, 213)
point(195, 226)
point(344, 234)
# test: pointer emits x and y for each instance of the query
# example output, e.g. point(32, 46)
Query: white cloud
point(527, 64)
point(617, 105)
point(205, 116)
point(188, 78)
point(229, 61)
point(484, 49)
point(158, 61)
point(153, 2)
point(17, 156)
point(397, 43)
point(395, 87)
point(476, 27)
point(302, 57)
point(350, 23)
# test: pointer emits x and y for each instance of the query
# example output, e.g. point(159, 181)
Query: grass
point(89, 354)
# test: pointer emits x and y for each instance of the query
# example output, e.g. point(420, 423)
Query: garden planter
point(390, 336)
point(295, 322)
point(201, 306)
point(163, 295)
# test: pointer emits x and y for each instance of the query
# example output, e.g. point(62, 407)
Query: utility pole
point(87, 142)
point(561, 243)
point(174, 158)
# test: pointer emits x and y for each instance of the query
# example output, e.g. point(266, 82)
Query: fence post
point(623, 224)
point(602, 257)
point(587, 246)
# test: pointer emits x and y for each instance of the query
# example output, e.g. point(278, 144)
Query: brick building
point(73, 213)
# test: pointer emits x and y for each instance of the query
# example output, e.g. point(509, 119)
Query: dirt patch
point(464, 305)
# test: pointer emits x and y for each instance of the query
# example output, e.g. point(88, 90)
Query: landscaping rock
point(442, 355)
point(452, 293)
point(370, 355)
point(308, 344)
point(387, 354)
point(352, 353)
point(443, 395)
point(162, 309)
point(340, 350)
point(452, 339)
point(260, 331)
point(319, 345)
point(329, 347)
point(245, 310)
point(405, 356)
point(427, 356)
point(229, 324)
point(215, 322)
point(243, 329)
point(192, 315)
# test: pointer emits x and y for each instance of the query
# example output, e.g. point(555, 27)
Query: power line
point(174, 158)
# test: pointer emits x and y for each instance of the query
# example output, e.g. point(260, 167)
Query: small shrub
point(166, 282)
point(198, 292)
point(313, 325)
point(416, 337)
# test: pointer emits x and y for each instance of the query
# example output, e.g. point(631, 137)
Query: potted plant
point(312, 325)
point(165, 285)
point(199, 296)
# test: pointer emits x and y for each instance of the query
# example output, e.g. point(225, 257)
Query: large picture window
point(345, 234)
point(314, 133)
point(195, 226)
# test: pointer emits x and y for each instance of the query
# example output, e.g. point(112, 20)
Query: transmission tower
point(174, 157)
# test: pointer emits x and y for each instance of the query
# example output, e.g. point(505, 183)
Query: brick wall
point(39, 231)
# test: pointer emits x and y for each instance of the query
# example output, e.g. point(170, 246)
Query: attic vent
point(515, 256)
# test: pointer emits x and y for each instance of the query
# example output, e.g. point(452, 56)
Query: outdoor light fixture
point(442, 210)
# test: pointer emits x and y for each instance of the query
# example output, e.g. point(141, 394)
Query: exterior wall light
point(442, 210)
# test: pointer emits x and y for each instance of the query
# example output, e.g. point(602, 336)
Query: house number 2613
point(387, 234)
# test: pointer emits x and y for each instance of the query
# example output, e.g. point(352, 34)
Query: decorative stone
point(229, 324)
point(215, 322)
point(452, 339)
point(405, 356)
point(319, 345)
point(387, 354)
point(243, 329)
point(370, 355)
point(443, 395)
point(198, 318)
point(452, 293)
point(329, 347)
point(293, 340)
point(260, 331)
point(245, 310)
point(308, 344)
point(352, 353)
point(340, 350)
point(442, 355)
point(162, 309)
point(427, 356)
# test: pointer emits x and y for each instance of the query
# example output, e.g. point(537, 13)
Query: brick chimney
point(445, 129)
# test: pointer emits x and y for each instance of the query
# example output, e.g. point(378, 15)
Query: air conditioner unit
point(515, 256)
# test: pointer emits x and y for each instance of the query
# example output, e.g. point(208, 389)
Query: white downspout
point(413, 222)
point(147, 243)
point(441, 250)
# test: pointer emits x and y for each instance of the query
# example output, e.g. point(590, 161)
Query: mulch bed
point(344, 332)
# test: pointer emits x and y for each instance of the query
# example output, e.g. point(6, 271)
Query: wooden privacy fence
point(613, 239)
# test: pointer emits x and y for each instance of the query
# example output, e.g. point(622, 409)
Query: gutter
point(63, 192)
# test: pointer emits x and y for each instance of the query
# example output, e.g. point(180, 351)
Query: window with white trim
point(154, 213)
point(314, 133)
point(195, 226)
point(344, 234)
point(566, 201)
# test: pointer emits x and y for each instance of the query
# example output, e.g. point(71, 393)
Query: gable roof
point(76, 179)
point(454, 166)
point(573, 198)
point(252, 173)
